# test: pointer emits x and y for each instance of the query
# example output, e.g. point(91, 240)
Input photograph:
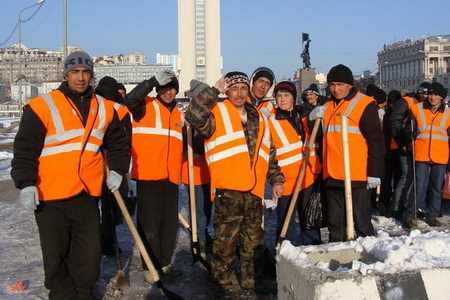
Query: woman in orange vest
point(157, 148)
point(366, 149)
point(431, 132)
point(240, 157)
point(289, 134)
point(58, 165)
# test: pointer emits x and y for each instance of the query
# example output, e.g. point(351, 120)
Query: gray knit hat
point(78, 59)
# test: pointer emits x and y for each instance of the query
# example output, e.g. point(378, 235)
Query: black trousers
point(157, 218)
point(362, 211)
point(69, 231)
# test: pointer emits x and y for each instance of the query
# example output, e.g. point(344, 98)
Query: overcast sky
point(254, 32)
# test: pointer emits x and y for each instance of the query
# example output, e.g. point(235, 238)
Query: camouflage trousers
point(237, 222)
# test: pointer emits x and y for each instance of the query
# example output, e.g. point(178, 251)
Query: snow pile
point(5, 164)
point(394, 254)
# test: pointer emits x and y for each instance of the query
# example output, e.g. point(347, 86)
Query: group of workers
point(74, 144)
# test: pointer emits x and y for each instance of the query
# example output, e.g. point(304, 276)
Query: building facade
point(129, 74)
point(199, 41)
point(404, 65)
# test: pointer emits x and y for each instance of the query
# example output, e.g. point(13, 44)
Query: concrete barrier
point(308, 281)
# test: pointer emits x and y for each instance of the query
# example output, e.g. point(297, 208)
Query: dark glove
point(409, 136)
point(196, 88)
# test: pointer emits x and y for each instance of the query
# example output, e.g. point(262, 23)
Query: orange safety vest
point(290, 153)
point(333, 163)
point(157, 143)
point(411, 101)
point(432, 140)
point(121, 110)
point(71, 160)
point(227, 155)
point(201, 172)
point(266, 107)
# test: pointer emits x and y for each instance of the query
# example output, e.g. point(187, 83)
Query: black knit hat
point(107, 88)
point(371, 90)
point(173, 83)
point(120, 86)
point(376, 93)
point(263, 72)
point(423, 88)
point(340, 73)
point(393, 97)
point(437, 89)
point(286, 86)
point(237, 77)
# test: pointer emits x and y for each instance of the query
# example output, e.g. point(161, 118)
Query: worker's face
point(122, 93)
point(285, 101)
point(423, 97)
point(435, 100)
point(260, 88)
point(237, 94)
point(311, 98)
point(167, 94)
point(339, 90)
point(79, 79)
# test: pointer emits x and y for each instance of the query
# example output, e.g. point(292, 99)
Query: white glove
point(164, 77)
point(29, 197)
point(113, 181)
point(317, 112)
point(373, 182)
point(381, 113)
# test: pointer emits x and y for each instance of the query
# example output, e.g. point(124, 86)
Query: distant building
point(38, 65)
point(199, 41)
point(29, 91)
point(169, 59)
point(404, 65)
point(129, 74)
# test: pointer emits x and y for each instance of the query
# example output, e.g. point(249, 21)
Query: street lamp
point(20, 21)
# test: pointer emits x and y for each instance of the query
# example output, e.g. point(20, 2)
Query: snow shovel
point(299, 182)
point(195, 246)
point(347, 179)
point(121, 281)
point(142, 250)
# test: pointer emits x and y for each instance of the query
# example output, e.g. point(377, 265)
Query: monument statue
point(305, 53)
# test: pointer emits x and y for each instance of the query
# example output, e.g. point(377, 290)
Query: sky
point(253, 32)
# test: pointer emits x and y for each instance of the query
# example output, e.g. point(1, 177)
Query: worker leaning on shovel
point(366, 153)
point(59, 168)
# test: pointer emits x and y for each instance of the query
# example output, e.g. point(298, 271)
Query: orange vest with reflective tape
point(227, 155)
point(71, 160)
point(121, 110)
point(157, 143)
point(290, 154)
point(201, 172)
point(432, 139)
point(266, 107)
point(333, 164)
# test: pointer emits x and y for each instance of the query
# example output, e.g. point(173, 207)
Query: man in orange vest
point(400, 113)
point(59, 168)
point(366, 149)
point(240, 156)
point(431, 132)
point(261, 81)
point(157, 149)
